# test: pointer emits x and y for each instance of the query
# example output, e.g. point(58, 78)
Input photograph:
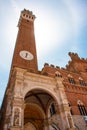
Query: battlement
point(51, 70)
point(27, 15)
point(77, 65)
point(74, 56)
point(51, 65)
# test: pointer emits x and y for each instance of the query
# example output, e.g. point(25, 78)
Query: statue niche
point(16, 117)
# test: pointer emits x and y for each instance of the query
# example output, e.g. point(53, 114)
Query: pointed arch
point(82, 108)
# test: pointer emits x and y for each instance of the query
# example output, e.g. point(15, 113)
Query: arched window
point(82, 108)
point(58, 74)
point(82, 82)
point(52, 109)
point(70, 79)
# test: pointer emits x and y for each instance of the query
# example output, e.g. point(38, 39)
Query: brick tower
point(25, 50)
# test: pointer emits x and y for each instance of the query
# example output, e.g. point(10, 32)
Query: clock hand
point(26, 54)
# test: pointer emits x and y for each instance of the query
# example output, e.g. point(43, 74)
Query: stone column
point(18, 102)
point(64, 110)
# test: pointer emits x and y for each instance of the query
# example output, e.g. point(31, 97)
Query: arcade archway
point(39, 108)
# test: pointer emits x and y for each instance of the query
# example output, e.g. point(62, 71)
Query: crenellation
point(26, 14)
point(62, 68)
point(57, 67)
point(52, 66)
point(46, 65)
point(74, 56)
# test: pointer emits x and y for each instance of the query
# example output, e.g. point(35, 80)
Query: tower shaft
point(25, 50)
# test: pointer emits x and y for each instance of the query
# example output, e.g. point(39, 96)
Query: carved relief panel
point(16, 116)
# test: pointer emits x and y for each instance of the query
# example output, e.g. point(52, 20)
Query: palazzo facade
point(51, 99)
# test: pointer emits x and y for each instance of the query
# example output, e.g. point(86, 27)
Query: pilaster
point(63, 107)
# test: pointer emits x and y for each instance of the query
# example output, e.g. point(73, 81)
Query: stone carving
point(8, 111)
point(70, 120)
point(16, 117)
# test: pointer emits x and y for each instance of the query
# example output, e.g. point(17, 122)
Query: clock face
point(26, 55)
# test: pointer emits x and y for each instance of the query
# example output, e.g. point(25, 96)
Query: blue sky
point(60, 27)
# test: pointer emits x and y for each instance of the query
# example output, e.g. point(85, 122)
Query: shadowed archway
point(36, 108)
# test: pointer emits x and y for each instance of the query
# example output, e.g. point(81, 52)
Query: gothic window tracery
point(71, 79)
point(82, 108)
point(58, 74)
point(82, 82)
